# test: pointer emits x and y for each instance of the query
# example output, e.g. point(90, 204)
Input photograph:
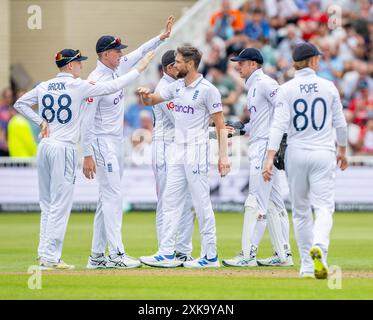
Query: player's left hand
point(224, 166)
point(342, 161)
point(267, 170)
point(167, 31)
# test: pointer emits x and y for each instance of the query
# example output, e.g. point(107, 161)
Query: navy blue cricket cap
point(65, 56)
point(305, 50)
point(109, 42)
point(168, 58)
point(251, 54)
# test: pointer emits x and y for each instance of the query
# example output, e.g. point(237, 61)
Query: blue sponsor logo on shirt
point(217, 105)
point(109, 167)
point(252, 109)
point(120, 97)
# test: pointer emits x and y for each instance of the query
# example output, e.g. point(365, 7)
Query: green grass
point(351, 249)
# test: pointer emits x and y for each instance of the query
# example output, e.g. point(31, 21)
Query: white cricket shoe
point(202, 263)
point(122, 261)
point(275, 261)
point(320, 266)
point(183, 257)
point(306, 275)
point(97, 262)
point(161, 261)
point(60, 265)
point(240, 261)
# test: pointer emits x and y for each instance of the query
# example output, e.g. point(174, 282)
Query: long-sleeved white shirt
point(261, 97)
point(308, 107)
point(105, 115)
point(61, 104)
point(164, 121)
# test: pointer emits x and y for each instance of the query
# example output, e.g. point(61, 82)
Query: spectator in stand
point(362, 103)
point(6, 102)
point(331, 66)
point(365, 143)
point(257, 28)
point(146, 121)
point(21, 140)
point(309, 22)
point(227, 21)
point(281, 12)
point(132, 115)
point(212, 60)
point(287, 45)
point(224, 84)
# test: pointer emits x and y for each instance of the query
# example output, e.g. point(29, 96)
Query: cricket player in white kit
point(163, 137)
point(194, 101)
point(308, 108)
point(61, 109)
point(103, 148)
point(264, 201)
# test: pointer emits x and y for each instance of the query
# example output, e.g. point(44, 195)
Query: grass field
point(351, 249)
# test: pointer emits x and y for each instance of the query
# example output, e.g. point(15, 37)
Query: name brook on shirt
point(56, 86)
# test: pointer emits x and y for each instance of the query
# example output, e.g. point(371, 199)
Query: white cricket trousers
point(57, 163)
point(188, 172)
point(160, 162)
point(263, 191)
point(311, 177)
point(107, 226)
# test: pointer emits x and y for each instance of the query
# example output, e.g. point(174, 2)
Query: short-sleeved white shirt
point(261, 97)
point(192, 107)
point(164, 121)
point(308, 107)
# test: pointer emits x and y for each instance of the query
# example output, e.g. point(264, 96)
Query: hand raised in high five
point(167, 31)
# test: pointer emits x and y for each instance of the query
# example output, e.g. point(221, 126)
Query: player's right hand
point(224, 166)
point(144, 62)
point(44, 130)
point(268, 170)
point(89, 167)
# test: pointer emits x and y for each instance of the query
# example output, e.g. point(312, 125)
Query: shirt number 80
point(64, 114)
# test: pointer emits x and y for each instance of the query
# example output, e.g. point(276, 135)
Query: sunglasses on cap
point(60, 57)
point(115, 41)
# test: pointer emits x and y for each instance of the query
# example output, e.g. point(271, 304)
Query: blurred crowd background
point(274, 27)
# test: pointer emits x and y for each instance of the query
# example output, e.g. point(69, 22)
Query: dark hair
point(190, 53)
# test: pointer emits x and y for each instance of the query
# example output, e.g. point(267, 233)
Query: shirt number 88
point(48, 113)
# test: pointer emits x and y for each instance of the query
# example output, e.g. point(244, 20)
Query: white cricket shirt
point(308, 108)
point(192, 107)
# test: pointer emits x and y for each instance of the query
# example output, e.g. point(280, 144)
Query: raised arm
point(129, 60)
point(24, 106)
point(91, 89)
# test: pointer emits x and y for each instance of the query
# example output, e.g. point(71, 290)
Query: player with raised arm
point(163, 137)
point(61, 107)
point(103, 149)
point(308, 108)
point(194, 101)
point(264, 202)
